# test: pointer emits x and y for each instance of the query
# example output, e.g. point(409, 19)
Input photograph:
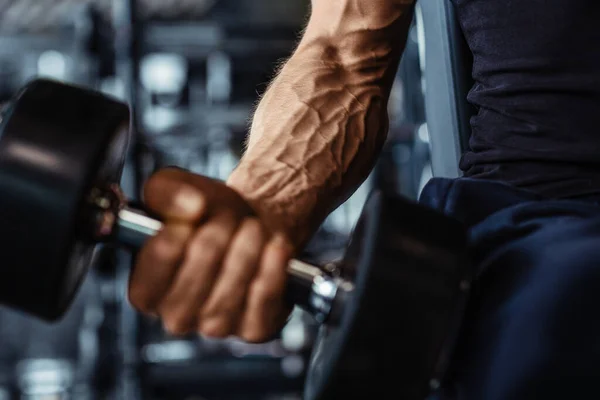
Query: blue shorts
point(532, 329)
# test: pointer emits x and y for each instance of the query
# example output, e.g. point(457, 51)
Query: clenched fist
point(214, 268)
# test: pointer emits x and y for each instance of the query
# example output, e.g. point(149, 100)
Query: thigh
point(532, 331)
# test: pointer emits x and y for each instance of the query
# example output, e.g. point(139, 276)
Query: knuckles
point(255, 335)
point(218, 328)
point(176, 326)
point(253, 226)
point(140, 299)
point(252, 237)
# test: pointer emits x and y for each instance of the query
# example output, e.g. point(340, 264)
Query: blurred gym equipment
point(191, 72)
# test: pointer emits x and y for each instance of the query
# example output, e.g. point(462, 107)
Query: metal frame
point(446, 62)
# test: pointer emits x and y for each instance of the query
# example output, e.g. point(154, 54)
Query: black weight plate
point(57, 141)
point(396, 331)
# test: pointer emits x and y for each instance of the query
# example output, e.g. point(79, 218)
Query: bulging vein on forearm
point(319, 127)
point(300, 154)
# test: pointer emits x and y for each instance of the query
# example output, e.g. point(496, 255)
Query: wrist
point(279, 212)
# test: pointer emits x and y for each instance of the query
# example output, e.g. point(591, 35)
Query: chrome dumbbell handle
point(309, 286)
point(135, 227)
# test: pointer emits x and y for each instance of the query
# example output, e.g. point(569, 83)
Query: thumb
point(170, 194)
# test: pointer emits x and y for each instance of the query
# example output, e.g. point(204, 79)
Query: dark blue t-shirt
point(537, 90)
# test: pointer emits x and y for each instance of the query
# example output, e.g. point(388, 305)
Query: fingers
point(170, 194)
point(265, 309)
point(195, 278)
point(219, 283)
point(223, 279)
point(156, 265)
point(226, 302)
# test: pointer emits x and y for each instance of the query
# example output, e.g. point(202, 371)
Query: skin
point(218, 267)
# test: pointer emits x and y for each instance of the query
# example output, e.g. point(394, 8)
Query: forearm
point(318, 130)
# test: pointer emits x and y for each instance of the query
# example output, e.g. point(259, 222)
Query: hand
point(214, 268)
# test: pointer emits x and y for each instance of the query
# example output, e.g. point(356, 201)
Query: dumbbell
point(389, 313)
